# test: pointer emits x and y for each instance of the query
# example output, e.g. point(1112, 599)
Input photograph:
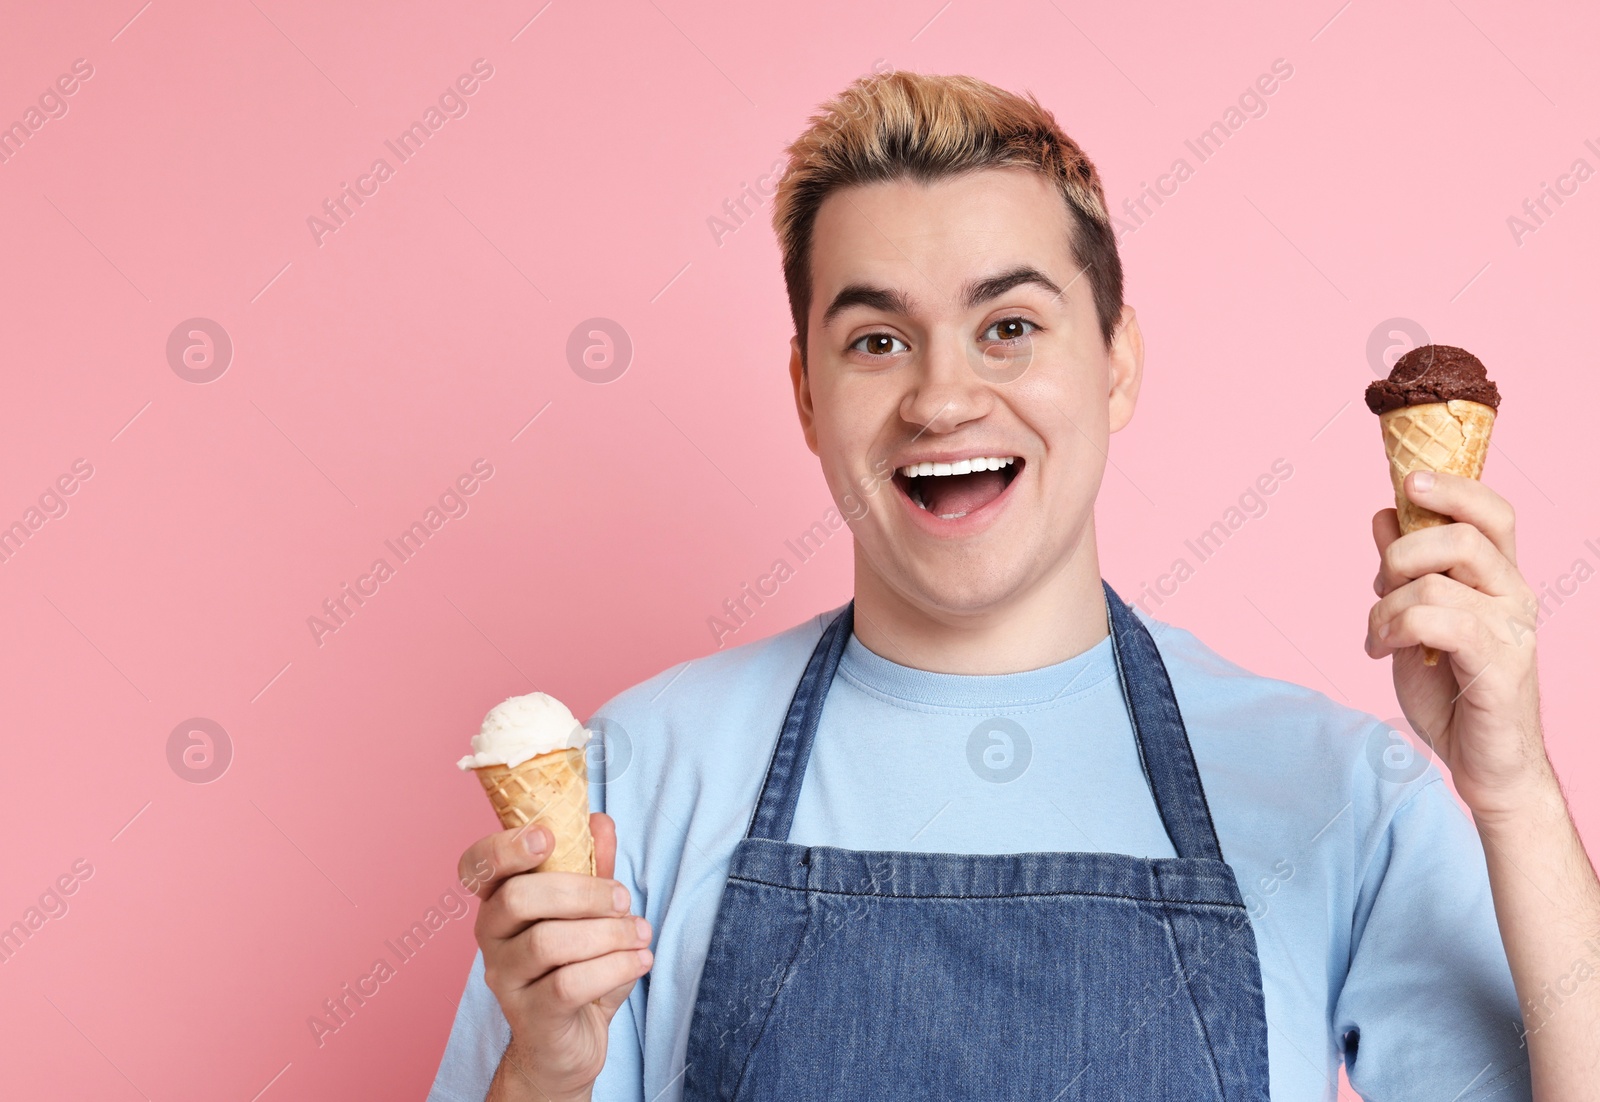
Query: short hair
point(901, 125)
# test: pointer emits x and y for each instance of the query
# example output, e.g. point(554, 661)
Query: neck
point(1058, 617)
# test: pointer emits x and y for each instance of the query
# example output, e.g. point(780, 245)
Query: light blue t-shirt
point(1364, 879)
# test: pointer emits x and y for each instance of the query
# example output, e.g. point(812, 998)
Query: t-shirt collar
point(988, 693)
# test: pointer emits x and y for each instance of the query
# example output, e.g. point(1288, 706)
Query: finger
point(540, 895)
point(1468, 501)
point(1385, 527)
point(1385, 530)
point(619, 995)
point(1459, 551)
point(1430, 589)
point(1454, 631)
point(553, 944)
point(605, 843)
point(567, 989)
point(494, 857)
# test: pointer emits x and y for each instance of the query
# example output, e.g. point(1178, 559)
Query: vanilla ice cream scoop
point(523, 727)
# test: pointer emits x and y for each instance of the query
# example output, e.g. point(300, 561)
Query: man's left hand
point(1456, 588)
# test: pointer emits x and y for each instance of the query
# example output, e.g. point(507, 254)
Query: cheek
point(848, 421)
point(839, 450)
point(1070, 411)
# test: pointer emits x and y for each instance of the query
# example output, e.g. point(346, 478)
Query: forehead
point(931, 239)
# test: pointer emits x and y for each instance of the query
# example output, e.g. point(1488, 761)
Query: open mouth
point(952, 490)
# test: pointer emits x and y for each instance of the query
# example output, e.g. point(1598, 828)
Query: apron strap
point(1159, 733)
point(780, 792)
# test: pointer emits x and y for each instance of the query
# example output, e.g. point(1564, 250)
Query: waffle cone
point(1452, 437)
point(553, 791)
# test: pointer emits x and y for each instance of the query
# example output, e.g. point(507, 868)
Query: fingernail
point(619, 898)
point(536, 840)
point(645, 957)
point(1383, 632)
point(1422, 481)
point(644, 929)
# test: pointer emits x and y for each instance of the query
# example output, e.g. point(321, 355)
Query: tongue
point(961, 493)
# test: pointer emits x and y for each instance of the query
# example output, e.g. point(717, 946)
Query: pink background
point(372, 370)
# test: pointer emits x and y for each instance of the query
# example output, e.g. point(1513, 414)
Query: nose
point(944, 392)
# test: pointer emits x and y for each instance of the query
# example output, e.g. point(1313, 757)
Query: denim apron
point(881, 976)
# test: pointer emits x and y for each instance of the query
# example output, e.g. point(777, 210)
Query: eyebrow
point(979, 291)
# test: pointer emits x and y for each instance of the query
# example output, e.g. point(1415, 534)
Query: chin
point(961, 592)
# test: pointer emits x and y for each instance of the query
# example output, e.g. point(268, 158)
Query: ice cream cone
point(551, 790)
point(1448, 436)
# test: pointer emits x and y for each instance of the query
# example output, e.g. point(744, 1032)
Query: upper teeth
point(960, 466)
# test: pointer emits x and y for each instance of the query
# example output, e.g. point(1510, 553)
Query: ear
point(1126, 358)
point(802, 394)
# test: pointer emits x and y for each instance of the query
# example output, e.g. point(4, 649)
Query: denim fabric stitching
point(787, 753)
point(1180, 830)
point(1186, 760)
point(1133, 718)
point(1178, 838)
point(766, 1018)
point(735, 877)
point(772, 758)
point(1194, 1004)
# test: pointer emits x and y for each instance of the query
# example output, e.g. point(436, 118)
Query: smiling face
point(959, 385)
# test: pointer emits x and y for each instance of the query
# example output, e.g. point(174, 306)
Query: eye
point(880, 344)
point(1010, 329)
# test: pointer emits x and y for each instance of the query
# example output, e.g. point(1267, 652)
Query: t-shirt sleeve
point(477, 1041)
point(1428, 1009)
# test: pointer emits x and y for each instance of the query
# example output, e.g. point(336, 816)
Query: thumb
point(605, 844)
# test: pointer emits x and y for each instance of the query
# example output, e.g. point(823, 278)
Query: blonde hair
point(923, 127)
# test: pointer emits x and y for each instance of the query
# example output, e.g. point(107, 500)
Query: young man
point(1036, 845)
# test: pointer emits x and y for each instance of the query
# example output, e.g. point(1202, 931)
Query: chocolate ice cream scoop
point(1433, 373)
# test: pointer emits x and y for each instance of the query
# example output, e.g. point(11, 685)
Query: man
point(1036, 845)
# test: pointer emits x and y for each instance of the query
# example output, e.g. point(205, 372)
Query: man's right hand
point(560, 952)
